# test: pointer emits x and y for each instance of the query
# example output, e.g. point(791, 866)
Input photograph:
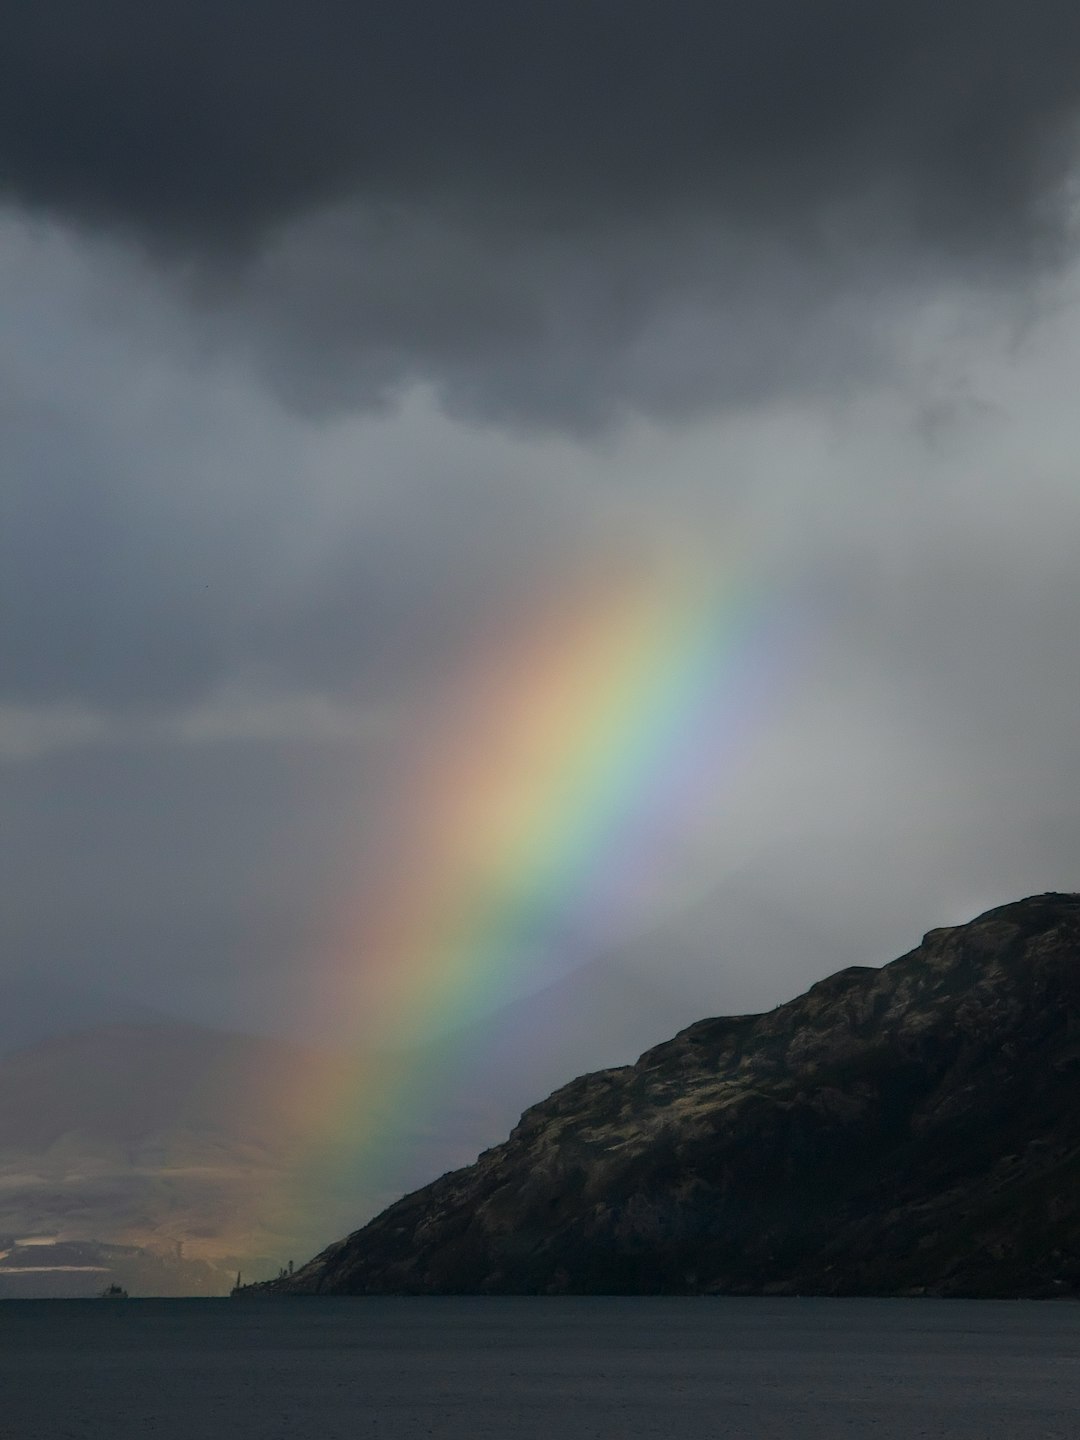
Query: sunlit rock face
point(910, 1129)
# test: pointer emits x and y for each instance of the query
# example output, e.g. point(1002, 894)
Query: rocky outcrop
point(905, 1130)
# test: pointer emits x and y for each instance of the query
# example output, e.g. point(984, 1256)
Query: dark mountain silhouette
point(910, 1129)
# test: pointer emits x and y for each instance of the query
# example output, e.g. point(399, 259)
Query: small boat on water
point(113, 1292)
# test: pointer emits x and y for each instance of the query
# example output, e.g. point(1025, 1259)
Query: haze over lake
point(580, 1369)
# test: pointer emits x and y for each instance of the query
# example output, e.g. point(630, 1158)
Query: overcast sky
point(333, 333)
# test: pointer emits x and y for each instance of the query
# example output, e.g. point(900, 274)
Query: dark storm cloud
point(212, 120)
point(553, 210)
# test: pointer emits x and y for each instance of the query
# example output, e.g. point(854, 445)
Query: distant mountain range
point(154, 1137)
point(907, 1130)
point(66, 1269)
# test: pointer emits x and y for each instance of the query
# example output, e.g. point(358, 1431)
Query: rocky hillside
point(906, 1130)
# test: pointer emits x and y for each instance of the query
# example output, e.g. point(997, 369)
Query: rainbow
point(579, 747)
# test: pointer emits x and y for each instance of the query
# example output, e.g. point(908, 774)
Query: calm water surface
point(538, 1369)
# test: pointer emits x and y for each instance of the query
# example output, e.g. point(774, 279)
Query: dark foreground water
point(538, 1369)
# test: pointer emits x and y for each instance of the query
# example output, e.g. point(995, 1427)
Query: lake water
point(538, 1369)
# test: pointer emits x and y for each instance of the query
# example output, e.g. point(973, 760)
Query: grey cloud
point(192, 878)
point(168, 533)
point(558, 211)
point(114, 590)
point(128, 584)
point(669, 318)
